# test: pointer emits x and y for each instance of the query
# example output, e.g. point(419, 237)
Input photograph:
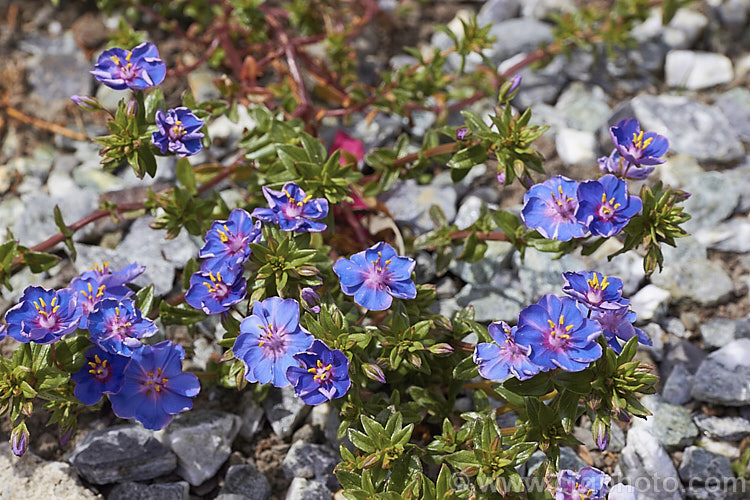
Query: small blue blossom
point(550, 208)
point(376, 275)
point(155, 388)
point(43, 316)
point(589, 483)
point(178, 132)
point(114, 281)
point(637, 147)
point(102, 374)
point(228, 241)
point(322, 374)
point(620, 167)
point(595, 290)
point(503, 358)
point(139, 68)
point(293, 210)
point(618, 325)
point(91, 292)
point(214, 293)
point(269, 339)
point(558, 334)
point(605, 205)
point(117, 326)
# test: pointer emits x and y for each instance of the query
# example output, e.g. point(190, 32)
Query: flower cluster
point(635, 152)
point(142, 382)
point(293, 210)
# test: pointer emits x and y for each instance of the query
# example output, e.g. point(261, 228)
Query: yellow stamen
point(562, 319)
point(41, 301)
point(568, 328)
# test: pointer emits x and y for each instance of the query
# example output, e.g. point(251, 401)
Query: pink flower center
point(120, 326)
point(273, 341)
point(217, 287)
point(321, 373)
point(101, 370)
point(377, 275)
point(607, 208)
point(155, 382)
point(47, 315)
point(293, 208)
point(558, 336)
point(565, 206)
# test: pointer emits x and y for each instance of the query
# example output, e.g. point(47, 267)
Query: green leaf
point(361, 441)
point(179, 315)
point(40, 261)
point(466, 369)
point(186, 175)
point(144, 299)
point(154, 101)
point(539, 385)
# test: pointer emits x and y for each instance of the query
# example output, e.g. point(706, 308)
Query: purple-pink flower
point(138, 69)
point(550, 208)
point(503, 358)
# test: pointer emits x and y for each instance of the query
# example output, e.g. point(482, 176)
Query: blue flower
point(617, 165)
point(594, 290)
point(155, 388)
point(269, 339)
point(117, 326)
point(558, 334)
point(293, 210)
point(178, 132)
point(605, 205)
point(589, 483)
point(114, 281)
point(637, 147)
point(228, 241)
point(91, 292)
point(214, 293)
point(322, 374)
point(550, 208)
point(619, 325)
point(376, 275)
point(139, 68)
point(504, 358)
point(102, 374)
point(43, 316)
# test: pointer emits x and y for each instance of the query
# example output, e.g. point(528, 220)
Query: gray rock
point(724, 428)
point(302, 489)
point(730, 236)
point(657, 335)
point(584, 107)
point(714, 492)
point(539, 86)
point(672, 425)
point(645, 463)
point(426, 267)
point(246, 482)
point(714, 197)
point(469, 211)
point(311, 461)
point(489, 303)
point(697, 70)
point(568, 460)
point(692, 127)
point(680, 33)
point(252, 416)
point(284, 411)
point(677, 388)
point(482, 272)
point(724, 376)
point(519, 35)
point(121, 453)
point(201, 83)
point(410, 203)
point(676, 328)
point(702, 281)
point(157, 491)
point(202, 441)
point(544, 9)
point(38, 222)
point(735, 104)
point(684, 353)
point(539, 273)
point(721, 331)
point(32, 477)
point(575, 147)
point(650, 302)
point(702, 466)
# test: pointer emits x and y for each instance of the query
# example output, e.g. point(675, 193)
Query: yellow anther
point(551, 324)
point(307, 198)
point(388, 261)
point(158, 388)
point(115, 59)
point(260, 344)
point(562, 319)
point(52, 304)
point(178, 122)
point(612, 201)
point(151, 374)
point(90, 288)
point(41, 301)
point(158, 371)
point(647, 142)
point(54, 309)
point(218, 275)
point(223, 237)
point(287, 193)
point(564, 336)
point(127, 57)
point(605, 283)
point(568, 328)
point(92, 364)
point(312, 370)
point(559, 189)
point(36, 305)
point(104, 363)
point(100, 291)
point(117, 310)
point(604, 197)
point(44, 313)
point(617, 205)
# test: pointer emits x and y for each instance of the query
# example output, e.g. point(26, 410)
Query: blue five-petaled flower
point(619, 166)
point(138, 69)
point(293, 210)
point(637, 147)
point(503, 358)
point(43, 316)
point(215, 292)
point(178, 132)
point(228, 241)
point(117, 326)
point(605, 205)
point(155, 388)
point(589, 484)
point(322, 374)
point(269, 339)
point(618, 325)
point(103, 373)
point(376, 275)
point(558, 334)
point(550, 208)
point(595, 290)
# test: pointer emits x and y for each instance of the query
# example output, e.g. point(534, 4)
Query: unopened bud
point(66, 436)
point(600, 432)
point(515, 83)
point(86, 102)
point(501, 177)
point(374, 372)
point(132, 108)
point(442, 348)
point(19, 440)
point(461, 133)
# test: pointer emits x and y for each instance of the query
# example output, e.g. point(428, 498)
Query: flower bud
point(310, 296)
point(374, 372)
point(600, 433)
point(86, 102)
point(66, 436)
point(501, 177)
point(461, 133)
point(19, 440)
point(371, 462)
point(515, 83)
point(132, 109)
point(442, 348)
point(624, 416)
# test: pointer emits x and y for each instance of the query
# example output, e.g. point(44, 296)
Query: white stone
point(576, 147)
point(31, 477)
point(650, 302)
point(697, 70)
point(681, 33)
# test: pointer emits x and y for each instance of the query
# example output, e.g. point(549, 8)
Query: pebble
point(697, 70)
point(584, 107)
point(252, 416)
point(121, 453)
point(724, 428)
point(489, 303)
point(38, 221)
point(678, 385)
point(680, 33)
point(645, 463)
point(731, 236)
point(496, 258)
point(575, 147)
point(303, 489)
point(702, 466)
point(409, 203)
point(495, 11)
point(692, 127)
point(202, 441)
point(713, 197)
point(735, 104)
point(284, 411)
point(672, 425)
point(682, 352)
point(246, 482)
point(650, 302)
point(156, 491)
point(311, 461)
point(721, 331)
point(724, 376)
point(544, 9)
point(31, 477)
point(701, 281)
point(520, 35)
point(538, 86)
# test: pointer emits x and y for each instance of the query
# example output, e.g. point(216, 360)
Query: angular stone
point(496, 258)
point(38, 222)
point(697, 70)
point(575, 147)
point(719, 332)
point(650, 302)
point(677, 388)
point(735, 104)
point(682, 352)
point(518, 35)
point(584, 107)
point(302, 489)
point(731, 236)
point(725, 428)
point(252, 416)
point(202, 441)
point(311, 461)
point(121, 453)
point(724, 376)
point(714, 197)
point(156, 491)
point(31, 477)
point(284, 411)
point(469, 211)
point(644, 462)
point(245, 481)
point(539, 86)
point(410, 203)
point(702, 466)
point(495, 11)
point(672, 425)
point(692, 127)
point(489, 303)
point(680, 33)
point(703, 282)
